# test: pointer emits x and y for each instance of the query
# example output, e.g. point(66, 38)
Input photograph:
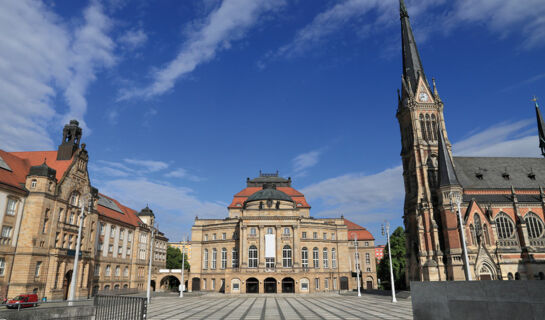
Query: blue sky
point(180, 101)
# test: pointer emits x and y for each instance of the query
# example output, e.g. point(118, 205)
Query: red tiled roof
point(36, 158)
point(354, 229)
point(18, 173)
point(128, 216)
point(297, 196)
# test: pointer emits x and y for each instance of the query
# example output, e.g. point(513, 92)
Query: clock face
point(423, 97)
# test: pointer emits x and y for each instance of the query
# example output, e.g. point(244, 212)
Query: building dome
point(269, 192)
point(146, 212)
point(42, 170)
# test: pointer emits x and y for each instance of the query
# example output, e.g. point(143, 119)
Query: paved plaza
point(276, 306)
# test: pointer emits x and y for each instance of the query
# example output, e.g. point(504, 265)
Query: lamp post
point(392, 283)
point(458, 199)
point(182, 286)
point(73, 282)
point(357, 262)
point(148, 293)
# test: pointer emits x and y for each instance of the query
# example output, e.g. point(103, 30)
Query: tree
point(174, 258)
point(397, 244)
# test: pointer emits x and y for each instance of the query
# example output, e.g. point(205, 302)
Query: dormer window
point(532, 176)
point(505, 175)
point(479, 175)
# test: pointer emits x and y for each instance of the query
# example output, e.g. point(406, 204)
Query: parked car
point(24, 300)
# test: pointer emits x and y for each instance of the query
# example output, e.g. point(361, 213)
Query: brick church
point(501, 199)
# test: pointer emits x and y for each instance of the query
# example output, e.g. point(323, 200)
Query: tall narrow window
point(473, 236)
point(325, 258)
point(423, 127)
point(253, 231)
point(223, 258)
point(108, 270)
point(2, 266)
point(434, 127)
point(367, 258)
point(428, 127)
point(286, 231)
point(486, 235)
point(12, 204)
point(333, 258)
point(37, 270)
point(205, 259)
point(304, 257)
point(234, 258)
point(252, 257)
point(74, 198)
point(286, 257)
point(214, 257)
point(316, 257)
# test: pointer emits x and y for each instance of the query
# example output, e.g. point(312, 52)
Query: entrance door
point(485, 277)
point(270, 285)
point(344, 283)
point(252, 285)
point(196, 284)
point(66, 283)
point(288, 285)
point(369, 285)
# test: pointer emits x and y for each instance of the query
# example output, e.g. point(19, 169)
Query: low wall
point(41, 313)
point(480, 300)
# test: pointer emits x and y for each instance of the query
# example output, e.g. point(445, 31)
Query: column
point(261, 236)
point(296, 245)
point(278, 246)
point(243, 254)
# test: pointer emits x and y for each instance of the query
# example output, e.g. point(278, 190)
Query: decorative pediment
point(423, 94)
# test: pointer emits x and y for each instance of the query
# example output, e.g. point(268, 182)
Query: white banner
point(270, 246)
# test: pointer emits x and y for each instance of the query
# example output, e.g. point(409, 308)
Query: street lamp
point(392, 284)
point(458, 198)
point(148, 293)
point(182, 286)
point(72, 293)
point(357, 262)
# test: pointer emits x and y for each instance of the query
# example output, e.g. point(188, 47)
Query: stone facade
point(41, 198)
point(502, 203)
point(270, 243)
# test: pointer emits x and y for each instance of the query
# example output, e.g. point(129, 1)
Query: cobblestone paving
point(279, 307)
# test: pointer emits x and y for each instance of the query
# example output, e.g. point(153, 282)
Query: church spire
point(412, 65)
point(447, 175)
point(540, 128)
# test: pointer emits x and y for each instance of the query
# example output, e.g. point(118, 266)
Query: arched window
point(517, 276)
point(287, 231)
point(269, 230)
point(434, 127)
point(473, 236)
point(505, 226)
point(316, 257)
point(510, 276)
point(325, 258)
point(286, 256)
point(423, 127)
point(252, 257)
point(333, 258)
point(126, 272)
point(304, 257)
point(205, 259)
point(214, 258)
point(486, 235)
point(117, 271)
point(108, 270)
point(534, 225)
point(428, 127)
point(74, 198)
point(478, 225)
point(234, 258)
point(223, 258)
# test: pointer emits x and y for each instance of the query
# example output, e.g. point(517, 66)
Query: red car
point(25, 300)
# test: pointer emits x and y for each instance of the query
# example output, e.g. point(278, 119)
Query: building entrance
point(252, 285)
point(344, 283)
point(196, 284)
point(288, 285)
point(270, 285)
point(66, 283)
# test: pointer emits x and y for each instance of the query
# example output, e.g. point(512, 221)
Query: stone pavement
point(278, 306)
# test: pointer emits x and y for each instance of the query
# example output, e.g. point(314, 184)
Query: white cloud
point(182, 174)
point(305, 161)
point(501, 140)
point(174, 207)
point(148, 165)
point(133, 39)
point(229, 22)
point(40, 58)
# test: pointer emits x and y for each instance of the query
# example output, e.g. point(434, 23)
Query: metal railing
point(120, 307)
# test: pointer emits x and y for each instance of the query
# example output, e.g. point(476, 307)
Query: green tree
point(397, 244)
point(174, 259)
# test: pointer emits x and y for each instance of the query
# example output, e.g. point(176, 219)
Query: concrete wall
point(76, 312)
point(478, 300)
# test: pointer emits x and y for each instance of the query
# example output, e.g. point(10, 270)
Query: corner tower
point(71, 136)
point(420, 116)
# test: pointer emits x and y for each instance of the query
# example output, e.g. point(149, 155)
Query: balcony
point(508, 243)
point(537, 242)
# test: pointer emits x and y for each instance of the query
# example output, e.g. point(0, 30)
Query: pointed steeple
point(540, 128)
point(412, 65)
point(447, 175)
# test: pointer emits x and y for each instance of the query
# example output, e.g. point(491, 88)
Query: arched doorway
point(252, 285)
point(170, 283)
point(269, 285)
point(369, 283)
point(344, 283)
point(288, 285)
point(152, 285)
point(196, 284)
point(66, 283)
point(486, 273)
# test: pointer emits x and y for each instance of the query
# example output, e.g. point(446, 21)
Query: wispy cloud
point(133, 39)
point(228, 23)
point(42, 58)
point(305, 161)
point(183, 174)
point(148, 165)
